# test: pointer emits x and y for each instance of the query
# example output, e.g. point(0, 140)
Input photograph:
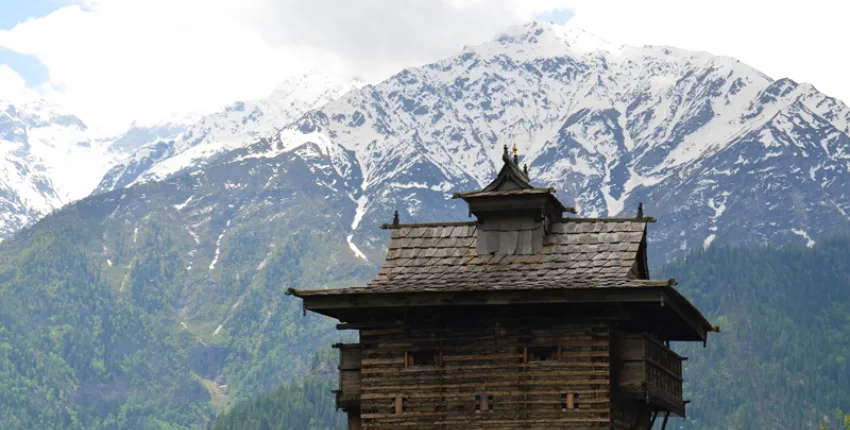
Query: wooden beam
point(322, 304)
point(348, 306)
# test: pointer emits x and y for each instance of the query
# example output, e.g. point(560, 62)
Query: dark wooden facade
point(521, 319)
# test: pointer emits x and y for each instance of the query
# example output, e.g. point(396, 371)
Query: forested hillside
point(781, 361)
point(103, 324)
point(307, 405)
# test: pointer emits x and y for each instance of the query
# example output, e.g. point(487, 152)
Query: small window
point(541, 353)
point(491, 401)
point(400, 405)
point(477, 403)
point(569, 401)
point(428, 357)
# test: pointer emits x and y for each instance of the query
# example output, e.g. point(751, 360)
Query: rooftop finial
point(525, 170)
point(395, 219)
point(640, 210)
point(516, 154)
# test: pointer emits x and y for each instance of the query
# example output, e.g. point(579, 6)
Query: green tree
point(843, 420)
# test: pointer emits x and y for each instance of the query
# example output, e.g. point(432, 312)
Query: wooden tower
point(523, 318)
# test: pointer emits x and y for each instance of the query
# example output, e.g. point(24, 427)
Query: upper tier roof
point(579, 253)
point(520, 250)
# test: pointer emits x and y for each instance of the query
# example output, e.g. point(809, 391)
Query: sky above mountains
point(116, 61)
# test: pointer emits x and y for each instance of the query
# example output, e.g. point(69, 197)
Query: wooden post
point(354, 421)
point(398, 404)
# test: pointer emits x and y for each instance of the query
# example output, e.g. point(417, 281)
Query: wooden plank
point(398, 407)
point(524, 395)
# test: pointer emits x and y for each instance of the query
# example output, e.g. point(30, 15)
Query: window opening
point(400, 405)
point(541, 353)
point(568, 401)
point(430, 357)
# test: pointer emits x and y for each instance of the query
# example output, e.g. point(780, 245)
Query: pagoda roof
point(578, 254)
point(521, 258)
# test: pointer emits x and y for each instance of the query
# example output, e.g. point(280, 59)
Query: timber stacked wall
point(492, 361)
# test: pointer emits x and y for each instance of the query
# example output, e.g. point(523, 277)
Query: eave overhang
point(659, 296)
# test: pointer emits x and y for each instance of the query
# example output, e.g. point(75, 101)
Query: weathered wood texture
point(629, 414)
point(647, 369)
point(487, 358)
point(348, 395)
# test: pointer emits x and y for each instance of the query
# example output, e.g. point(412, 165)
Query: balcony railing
point(647, 369)
point(348, 394)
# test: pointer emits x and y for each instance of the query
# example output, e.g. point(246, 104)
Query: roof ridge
point(428, 224)
point(598, 219)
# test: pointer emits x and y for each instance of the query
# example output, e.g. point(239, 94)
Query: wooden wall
point(480, 357)
point(629, 414)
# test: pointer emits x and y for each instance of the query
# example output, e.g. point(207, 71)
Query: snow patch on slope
point(805, 235)
point(362, 201)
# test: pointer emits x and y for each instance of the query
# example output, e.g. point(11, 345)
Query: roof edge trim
point(428, 224)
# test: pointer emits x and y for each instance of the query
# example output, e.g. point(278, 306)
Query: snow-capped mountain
point(714, 148)
point(42, 151)
point(237, 125)
point(49, 158)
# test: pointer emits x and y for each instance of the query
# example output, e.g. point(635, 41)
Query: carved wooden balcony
point(348, 394)
point(648, 370)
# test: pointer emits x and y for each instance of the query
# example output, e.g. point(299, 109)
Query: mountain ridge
point(647, 124)
point(193, 265)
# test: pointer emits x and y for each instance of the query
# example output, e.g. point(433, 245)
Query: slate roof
point(578, 253)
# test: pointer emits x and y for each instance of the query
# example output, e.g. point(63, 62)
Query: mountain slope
point(710, 145)
point(49, 158)
point(781, 358)
point(241, 123)
point(309, 404)
point(198, 265)
point(41, 151)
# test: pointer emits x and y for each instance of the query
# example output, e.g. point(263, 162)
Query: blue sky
point(558, 16)
point(13, 12)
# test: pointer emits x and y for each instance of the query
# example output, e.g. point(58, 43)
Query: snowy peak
point(607, 125)
point(237, 125)
point(47, 159)
point(547, 39)
point(709, 144)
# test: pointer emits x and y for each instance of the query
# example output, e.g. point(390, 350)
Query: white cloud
point(12, 85)
point(114, 61)
point(129, 60)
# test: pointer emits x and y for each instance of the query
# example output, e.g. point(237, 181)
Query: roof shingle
point(578, 253)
